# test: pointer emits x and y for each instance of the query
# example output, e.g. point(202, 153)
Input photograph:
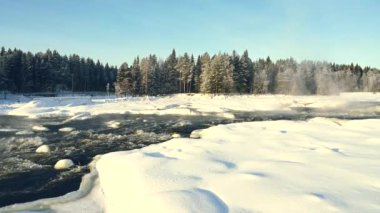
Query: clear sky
point(115, 31)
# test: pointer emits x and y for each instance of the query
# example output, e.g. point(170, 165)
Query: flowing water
point(26, 175)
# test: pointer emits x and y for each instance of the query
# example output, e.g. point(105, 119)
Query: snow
point(113, 124)
point(318, 165)
point(196, 134)
point(40, 128)
point(176, 135)
point(24, 132)
point(87, 199)
point(43, 149)
point(321, 165)
point(66, 129)
point(63, 164)
point(183, 104)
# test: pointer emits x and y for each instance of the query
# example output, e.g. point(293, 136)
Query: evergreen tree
point(136, 77)
point(49, 71)
point(185, 68)
point(205, 78)
point(124, 82)
point(197, 75)
point(170, 74)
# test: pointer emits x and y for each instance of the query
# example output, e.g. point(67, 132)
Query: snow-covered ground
point(195, 104)
point(319, 165)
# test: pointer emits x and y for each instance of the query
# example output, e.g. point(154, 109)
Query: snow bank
point(194, 104)
point(89, 198)
point(322, 165)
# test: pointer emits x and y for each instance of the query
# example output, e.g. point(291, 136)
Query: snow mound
point(43, 149)
point(66, 129)
point(63, 164)
point(196, 134)
point(271, 166)
point(40, 128)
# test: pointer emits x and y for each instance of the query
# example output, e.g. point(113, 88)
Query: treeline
point(224, 73)
point(25, 72)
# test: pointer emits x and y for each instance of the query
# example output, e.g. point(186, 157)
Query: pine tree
point(124, 82)
point(3, 71)
point(136, 77)
point(171, 81)
point(197, 75)
point(185, 68)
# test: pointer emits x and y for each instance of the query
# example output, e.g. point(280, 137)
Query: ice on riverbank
point(193, 104)
point(320, 165)
point(281, 166)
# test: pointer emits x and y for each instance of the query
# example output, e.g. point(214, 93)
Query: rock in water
point(43, 149)
point(63, 164)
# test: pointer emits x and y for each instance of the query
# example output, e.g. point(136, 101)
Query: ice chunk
point(24, 132)
point(63, 164)
point(139, 131)
point(40, 128)
point(7, 130)
point(66, 129)
point(113, 124)
point(43, 149)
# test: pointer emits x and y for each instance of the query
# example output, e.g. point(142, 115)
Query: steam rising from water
point(309, 77)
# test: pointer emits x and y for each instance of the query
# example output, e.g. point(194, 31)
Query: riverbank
point(319, 165)
point(82, 107)
point(318, 153)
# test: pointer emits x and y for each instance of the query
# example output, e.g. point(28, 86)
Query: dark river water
point(26, 175)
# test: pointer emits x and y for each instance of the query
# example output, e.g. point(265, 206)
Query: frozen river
point(26, 175)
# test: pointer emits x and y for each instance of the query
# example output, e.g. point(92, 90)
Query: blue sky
point(115, 31)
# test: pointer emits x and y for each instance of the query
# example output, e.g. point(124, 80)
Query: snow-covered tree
point(185, 69)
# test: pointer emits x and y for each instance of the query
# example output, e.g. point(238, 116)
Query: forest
point(224, 73)
point(25, 72)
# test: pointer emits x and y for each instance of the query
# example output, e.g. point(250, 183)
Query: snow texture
point(79, 108)
point(319, 165)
